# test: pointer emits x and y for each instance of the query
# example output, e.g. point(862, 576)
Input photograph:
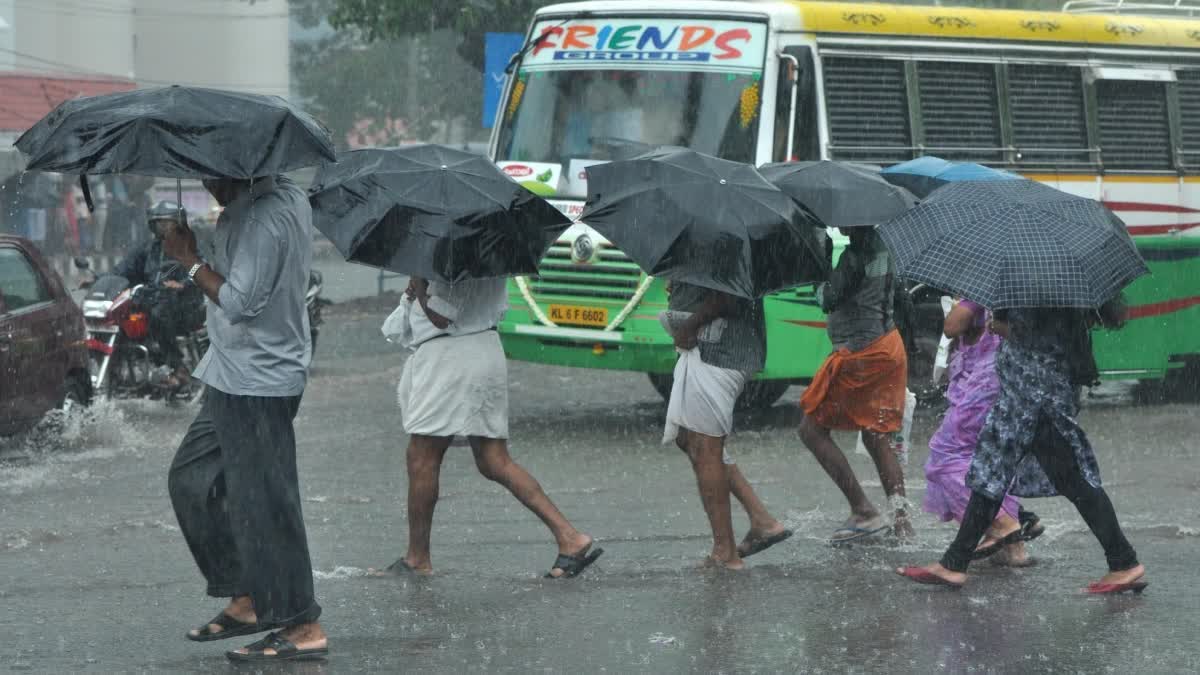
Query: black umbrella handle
point(87, 192)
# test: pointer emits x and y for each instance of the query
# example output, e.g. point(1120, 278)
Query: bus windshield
point(572, 108)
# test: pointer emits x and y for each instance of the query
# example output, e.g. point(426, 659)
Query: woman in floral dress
point(974, 388)
point(1032, 445)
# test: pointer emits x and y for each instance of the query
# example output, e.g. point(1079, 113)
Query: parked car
point(43, 340)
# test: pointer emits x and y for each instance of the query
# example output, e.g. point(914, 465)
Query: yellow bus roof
point(999, 24)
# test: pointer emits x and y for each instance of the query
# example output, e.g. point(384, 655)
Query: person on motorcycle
point(174, 303)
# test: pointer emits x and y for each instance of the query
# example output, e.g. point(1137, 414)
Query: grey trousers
point(236, 494)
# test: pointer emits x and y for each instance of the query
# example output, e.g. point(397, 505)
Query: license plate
point(576, 315)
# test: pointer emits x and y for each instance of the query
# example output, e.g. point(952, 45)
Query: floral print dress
point(1035, 367)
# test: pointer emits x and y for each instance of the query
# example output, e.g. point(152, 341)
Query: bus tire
point(757, 395)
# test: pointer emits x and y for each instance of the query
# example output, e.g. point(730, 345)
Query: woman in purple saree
point(973, 389)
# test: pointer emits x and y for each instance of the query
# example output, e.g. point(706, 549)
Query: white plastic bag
point(900, 441)
point(397, 328)
point(942, 361)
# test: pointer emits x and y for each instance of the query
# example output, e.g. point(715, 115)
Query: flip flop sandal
point(283, 648)
point(994, 547)
point(761, 545)
point(573, 565)
point(1032, 529)
point(1100, 588)
point(396, 569)
point(924, 576)
point(856, 533)
point(230, 628)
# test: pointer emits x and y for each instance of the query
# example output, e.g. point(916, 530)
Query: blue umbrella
point(923, 175)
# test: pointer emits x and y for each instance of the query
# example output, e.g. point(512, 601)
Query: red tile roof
point(26, 97)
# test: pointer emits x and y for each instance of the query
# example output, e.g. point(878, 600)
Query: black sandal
point(574, 565)
point(995, 547)
point(400, 568)
point(760, 545)
point(284, 651)
point(230, 628)
point(1032, 529)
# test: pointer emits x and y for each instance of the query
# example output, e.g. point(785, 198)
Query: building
point(73, 47)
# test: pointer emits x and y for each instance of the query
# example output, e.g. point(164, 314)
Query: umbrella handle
point(87, 192)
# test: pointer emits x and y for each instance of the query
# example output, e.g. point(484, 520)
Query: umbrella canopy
point(697, 219)
point(177, 132)
point(1014, 244)
point(839, 193)
point(923, 175)
point(433, 212)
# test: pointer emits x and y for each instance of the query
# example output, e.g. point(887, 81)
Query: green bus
point(1103, 106)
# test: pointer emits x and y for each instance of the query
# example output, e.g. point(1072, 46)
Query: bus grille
point(611, 276)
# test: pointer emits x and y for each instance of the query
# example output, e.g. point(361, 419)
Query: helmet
point(166, 211)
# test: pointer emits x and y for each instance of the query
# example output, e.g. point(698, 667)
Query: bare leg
point(713, 482)
point(891, 474)
point(761, 520)
point(494, 462)
point(425, 455)
point(833, 460)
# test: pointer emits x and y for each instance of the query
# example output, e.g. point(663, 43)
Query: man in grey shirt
point(722, 343)
point(233, 482)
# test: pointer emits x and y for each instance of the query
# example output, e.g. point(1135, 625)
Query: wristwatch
point(192, 272)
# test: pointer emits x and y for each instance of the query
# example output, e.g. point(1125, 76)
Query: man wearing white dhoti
point(722, 343)
point(455, 383)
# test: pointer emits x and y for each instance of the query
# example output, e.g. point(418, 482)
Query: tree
point(386, 92)
point(379, 20)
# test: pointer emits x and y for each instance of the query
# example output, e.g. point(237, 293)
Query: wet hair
point(1113, 314)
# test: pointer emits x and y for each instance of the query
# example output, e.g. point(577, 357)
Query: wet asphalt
point(94, 574)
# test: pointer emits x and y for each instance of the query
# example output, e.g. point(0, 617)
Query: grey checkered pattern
point(1014, 244)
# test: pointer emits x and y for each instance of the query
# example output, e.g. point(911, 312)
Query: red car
point(43, 340)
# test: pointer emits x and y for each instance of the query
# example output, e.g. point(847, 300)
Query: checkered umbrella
point(1014, 243)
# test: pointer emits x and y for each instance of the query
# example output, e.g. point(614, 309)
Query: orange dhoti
point(861, 390)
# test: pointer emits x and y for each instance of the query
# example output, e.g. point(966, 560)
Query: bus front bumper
point(588, 348)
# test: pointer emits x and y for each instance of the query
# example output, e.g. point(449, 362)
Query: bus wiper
point(537, 42)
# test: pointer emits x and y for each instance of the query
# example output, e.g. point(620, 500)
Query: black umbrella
point(433, 212)
point(177, 132)
point(686, 216)
point(1014, 243)
point(840, 194)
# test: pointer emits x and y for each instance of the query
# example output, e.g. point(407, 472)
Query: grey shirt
point(259, 334)
point(858, 296)
point(737, 341)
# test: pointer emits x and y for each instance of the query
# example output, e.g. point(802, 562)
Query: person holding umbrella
point(722, 343)
point(724, 236)
point(458, 226)
point(1055, 266)
point(862, 385)
point(233, 481)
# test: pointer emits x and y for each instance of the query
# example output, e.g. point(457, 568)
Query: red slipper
point(924, 576)
point(1101, 588)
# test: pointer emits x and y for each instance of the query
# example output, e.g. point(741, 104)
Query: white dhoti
point(702, 398)
point(456, 386)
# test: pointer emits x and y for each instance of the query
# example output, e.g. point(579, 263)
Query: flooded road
point(95, 575)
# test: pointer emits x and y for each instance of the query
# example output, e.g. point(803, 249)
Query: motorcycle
point(125, 361)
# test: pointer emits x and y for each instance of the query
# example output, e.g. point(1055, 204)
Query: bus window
point(1048, 118)
point(866, 100)
point(1189, 118)
point(1134, 131)
point(959, 111)
point(806, 141)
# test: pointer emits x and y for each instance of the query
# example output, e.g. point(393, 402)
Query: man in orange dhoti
point(861, 386)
